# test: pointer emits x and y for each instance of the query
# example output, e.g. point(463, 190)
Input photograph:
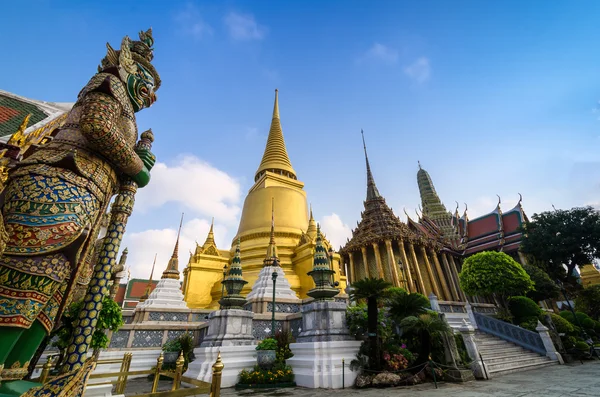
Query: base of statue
point(324, 321)
point(231, 327)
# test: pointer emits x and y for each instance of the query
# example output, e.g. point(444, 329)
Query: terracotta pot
point(266, 358)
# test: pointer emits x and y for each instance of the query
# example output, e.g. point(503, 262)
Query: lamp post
point(274, 276)
point(330, 252)
point(223, 284)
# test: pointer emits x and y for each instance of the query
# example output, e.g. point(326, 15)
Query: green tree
point(588, 301)
point(405, 305)
point(544, 286)
point(372, 290)
point(563, 238)
point(494, 273)
point(426, 327)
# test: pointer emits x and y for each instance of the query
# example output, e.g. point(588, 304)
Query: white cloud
point(382, 53)
point(196, 185)
point(335, 230)
point(191, 22)
point(244, 27)
point(419, 70)
point(144, 245)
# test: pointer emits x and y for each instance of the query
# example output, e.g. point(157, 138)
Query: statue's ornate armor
point(54, 199)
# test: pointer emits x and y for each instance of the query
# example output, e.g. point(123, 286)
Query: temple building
point(425, 254)
point(382, 246)
point(277, 197)
point(590, 275)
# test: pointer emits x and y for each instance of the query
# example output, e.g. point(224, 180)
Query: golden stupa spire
point(172, 270)
point(275, 158)
point(210, 239)
point(312, 225)
point(149, 285)
point(272, 248)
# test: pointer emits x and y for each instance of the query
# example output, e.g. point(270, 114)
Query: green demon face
point(140, 87)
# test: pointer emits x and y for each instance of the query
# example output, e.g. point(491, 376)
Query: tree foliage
point(489, 272)
point(563, 237)
point(544, 286)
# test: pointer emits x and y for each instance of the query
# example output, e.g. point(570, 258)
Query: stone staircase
point(502, 357)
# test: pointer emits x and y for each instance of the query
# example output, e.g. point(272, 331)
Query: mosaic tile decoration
point(199, 317)
point(283, 307)
point(147, 338)
point(261, 329)
point(166, 316)
point(119, 340)
point(296, 327)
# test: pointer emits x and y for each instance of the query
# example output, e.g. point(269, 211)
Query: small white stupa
point(167, 295)
point(262, 290)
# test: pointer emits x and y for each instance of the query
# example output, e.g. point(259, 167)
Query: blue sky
point(491, 97)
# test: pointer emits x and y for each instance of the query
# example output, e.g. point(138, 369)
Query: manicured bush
point(562, 325)
point(581, 345)
point(523, 308)
point(530, 323)
point(490, 272)
point(267, 344)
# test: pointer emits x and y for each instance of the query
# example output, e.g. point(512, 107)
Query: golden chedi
point(276, 194)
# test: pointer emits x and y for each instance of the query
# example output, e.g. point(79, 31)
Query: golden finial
point(276, 105)
point(18, 138)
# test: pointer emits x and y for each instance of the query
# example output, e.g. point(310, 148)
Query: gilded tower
point(275, 214)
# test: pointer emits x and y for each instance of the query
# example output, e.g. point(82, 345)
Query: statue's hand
point(142, 178)
point(147, 158)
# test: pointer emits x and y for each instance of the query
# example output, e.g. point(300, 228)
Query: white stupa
point(167, 294)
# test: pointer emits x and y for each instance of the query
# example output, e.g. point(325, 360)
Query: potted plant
point(266, 353)
point(171, 351)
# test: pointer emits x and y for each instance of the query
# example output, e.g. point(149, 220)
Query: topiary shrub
point(562, 325)
point(530, 324)
point(523, 309)
point(581, 345)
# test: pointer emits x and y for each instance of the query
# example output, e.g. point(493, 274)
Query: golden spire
point(18, 138)
point(172, 270)
point(372, 192)
point(272, 248)
point(312, 225)
point(275, 158)
point(210, 239)
point(149, 285)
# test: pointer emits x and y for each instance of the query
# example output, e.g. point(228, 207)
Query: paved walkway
point(574, 380)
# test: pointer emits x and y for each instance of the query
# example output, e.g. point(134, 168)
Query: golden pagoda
point(590, 275)
point(276, 194)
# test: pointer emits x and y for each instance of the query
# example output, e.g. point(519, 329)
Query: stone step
point(512, 354)
point(491, 342)
point(513, 358)
point(508, 348)
point(516, 363)
point(525, 367)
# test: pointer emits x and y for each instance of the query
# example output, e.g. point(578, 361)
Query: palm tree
point(425, 326)
point(372, 290)
point(404, 305)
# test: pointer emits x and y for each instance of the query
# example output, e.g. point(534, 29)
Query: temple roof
point(14, 109)
point(275, 158)
point(378, 221)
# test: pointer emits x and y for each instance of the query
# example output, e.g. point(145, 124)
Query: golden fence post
point(122, 380)
point(46, 370)
point(178, 371)
point(159, 362)
point(217, 370)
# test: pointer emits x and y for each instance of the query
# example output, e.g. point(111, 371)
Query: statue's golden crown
point(132, 52)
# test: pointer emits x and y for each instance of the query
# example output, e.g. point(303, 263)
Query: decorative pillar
point(407, 274)
point(392, 263)
point(434, 286)
point(548, 344)
point(438, 268)
point(453, 281)
point(455, 269)
point(522, 258)
point(378, 261)
point(419, 277)
point(352, 279)
point(365, 263)
point(434, 303)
